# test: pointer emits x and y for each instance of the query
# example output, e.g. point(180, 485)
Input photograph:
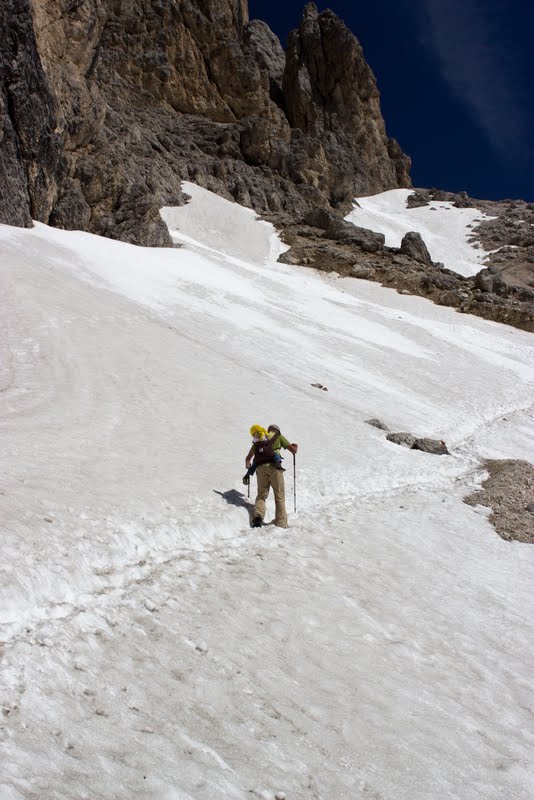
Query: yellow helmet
point(258, 431)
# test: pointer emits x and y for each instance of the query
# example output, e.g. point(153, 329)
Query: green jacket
point(281, 441)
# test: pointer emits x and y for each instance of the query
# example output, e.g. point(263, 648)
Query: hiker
point(268, 472)
point(259, 434)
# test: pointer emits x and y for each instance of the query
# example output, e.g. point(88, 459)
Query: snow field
point(379, 648)
point(444, 228)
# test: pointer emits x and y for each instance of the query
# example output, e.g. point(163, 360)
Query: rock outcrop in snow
point(396, 254)
point(509, 491)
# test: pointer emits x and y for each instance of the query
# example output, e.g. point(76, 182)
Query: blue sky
point(457, 84)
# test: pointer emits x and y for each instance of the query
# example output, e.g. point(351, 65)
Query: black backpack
point(264, 451)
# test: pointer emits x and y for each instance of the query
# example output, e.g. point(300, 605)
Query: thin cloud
point(479, 68)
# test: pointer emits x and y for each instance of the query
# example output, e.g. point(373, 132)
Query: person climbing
point(268, 472)
point(259, 434)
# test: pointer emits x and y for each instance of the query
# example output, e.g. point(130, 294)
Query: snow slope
point(444, 228)
point(153, 646)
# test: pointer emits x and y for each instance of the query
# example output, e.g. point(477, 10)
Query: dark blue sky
point(457, 84)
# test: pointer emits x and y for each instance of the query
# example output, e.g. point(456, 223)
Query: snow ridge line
point(491, 421)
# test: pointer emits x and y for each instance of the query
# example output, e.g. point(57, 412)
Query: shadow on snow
point(238, 499)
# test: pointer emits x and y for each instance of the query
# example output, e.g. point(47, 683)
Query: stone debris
point(403, 439)
point(376, 423)
point(435, 446)
point(509, 492)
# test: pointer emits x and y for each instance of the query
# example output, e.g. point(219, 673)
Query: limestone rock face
point(31, 161)
point(118, 101)
point(333, 107)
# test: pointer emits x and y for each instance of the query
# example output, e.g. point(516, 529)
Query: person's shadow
point(235, 498)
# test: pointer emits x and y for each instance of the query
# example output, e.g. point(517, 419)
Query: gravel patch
point(509, 492)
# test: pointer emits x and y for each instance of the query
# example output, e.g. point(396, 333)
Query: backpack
point(264, 451)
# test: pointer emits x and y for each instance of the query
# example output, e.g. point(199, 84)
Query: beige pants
point(268, 476)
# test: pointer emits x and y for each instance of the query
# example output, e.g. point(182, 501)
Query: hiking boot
point(256, 521)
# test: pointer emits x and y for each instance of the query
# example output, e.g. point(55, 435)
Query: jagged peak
point(309, 11)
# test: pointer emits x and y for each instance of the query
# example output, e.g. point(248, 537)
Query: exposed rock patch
point(509, 236)
point(405, 439)
point(376, 423)
point(509, 492)
point(402, 438)
point(406, 269)
point(435, 446)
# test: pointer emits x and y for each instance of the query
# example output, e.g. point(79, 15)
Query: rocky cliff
point(106, 106)
point(31, 153)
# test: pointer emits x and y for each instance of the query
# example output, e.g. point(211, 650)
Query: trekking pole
point(295, 482)
point(248, 487)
